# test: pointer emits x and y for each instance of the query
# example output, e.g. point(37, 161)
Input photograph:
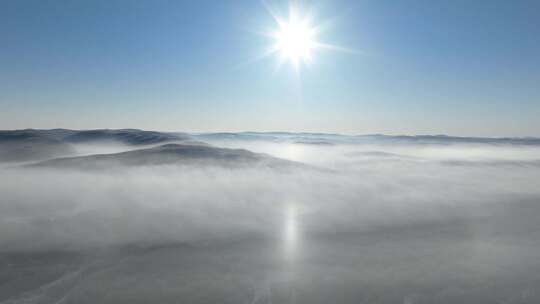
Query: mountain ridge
point(172, 154)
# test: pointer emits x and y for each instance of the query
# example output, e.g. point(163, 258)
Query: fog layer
point(343, 223)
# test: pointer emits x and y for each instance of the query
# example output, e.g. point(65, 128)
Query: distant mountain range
point(25, 145)
point(32, 145)
point(126, 136)
point(329, 139)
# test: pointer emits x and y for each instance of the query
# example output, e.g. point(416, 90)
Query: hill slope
point(172, 154)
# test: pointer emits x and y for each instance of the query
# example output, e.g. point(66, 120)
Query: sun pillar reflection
point(291, 232)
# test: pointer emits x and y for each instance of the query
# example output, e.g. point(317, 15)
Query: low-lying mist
point(373, 223)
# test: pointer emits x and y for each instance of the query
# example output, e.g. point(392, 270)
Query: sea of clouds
point(373, 223)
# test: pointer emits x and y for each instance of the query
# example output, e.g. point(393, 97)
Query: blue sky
point(418, 67)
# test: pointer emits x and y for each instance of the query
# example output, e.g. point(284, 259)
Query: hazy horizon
point(276, 131)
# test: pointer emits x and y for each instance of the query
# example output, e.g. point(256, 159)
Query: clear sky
point(457, 67)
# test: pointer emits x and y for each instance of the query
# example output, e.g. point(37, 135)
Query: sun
point(295, 40)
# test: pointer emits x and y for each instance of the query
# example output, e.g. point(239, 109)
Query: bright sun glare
point(295, 40)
